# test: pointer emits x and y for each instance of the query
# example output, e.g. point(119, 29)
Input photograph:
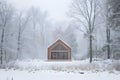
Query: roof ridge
point(61, 41)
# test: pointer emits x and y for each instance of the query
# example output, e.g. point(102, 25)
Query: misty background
point(31, 26)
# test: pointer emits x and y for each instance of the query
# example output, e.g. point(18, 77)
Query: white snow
point(55, 75)
point(96, 65)
point(60, 70)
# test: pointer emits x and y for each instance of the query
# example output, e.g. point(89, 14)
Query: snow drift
point(96, 65)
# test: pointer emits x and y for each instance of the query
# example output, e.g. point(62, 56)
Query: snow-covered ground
point(55, 75)
point(68, 70)
point(84, 65)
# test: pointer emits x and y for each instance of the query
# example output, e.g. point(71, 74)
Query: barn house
point(59, 51)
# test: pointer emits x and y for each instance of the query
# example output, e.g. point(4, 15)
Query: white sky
point(56, 9)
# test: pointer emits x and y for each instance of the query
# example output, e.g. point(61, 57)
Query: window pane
point(59, 55)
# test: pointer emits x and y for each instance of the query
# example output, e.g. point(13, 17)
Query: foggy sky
point(56, 9)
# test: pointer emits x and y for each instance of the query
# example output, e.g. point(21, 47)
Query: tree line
point(91, 14)
point(25, 33)
point(14, 25)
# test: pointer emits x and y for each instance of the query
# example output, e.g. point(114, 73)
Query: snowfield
point(67, 70)
point(55, 75)
point(84, 65)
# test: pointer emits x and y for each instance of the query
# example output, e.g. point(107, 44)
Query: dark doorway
point(59, 55)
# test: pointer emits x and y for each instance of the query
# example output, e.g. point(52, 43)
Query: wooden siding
point(53, 48)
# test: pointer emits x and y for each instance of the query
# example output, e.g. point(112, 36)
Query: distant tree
point(22, 21)
point(58, 33)
point(108, 27)
point(6, 12)
point(70, 37)
point(114, 15)
point(38, 20)
point(86, 12)
point(109, 23)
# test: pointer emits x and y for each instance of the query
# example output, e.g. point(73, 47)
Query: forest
point(92, 32)
point(93, 26)
point(90, 28)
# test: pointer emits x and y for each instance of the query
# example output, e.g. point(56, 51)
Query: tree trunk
point(90, 48)
point(108, 29)
point(108, 42)
point(5, 56)
point(18, 48)
point(2, 40)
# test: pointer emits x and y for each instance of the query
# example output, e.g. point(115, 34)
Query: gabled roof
point(57, 43)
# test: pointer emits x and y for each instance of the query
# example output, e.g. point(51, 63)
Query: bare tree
point(86, 12)
point(108, 29)
point(113, 11)
point(22, 23)
point(71, 38)
point(38, 21)
point(5, 17)
point(106, 15)
point(110, 19)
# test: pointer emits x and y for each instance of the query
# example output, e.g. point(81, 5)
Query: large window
point(59, 55)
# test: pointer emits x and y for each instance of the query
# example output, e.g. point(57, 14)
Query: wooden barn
point(59, 51)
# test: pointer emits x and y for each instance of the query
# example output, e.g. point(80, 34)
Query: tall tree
point(108, 28)
point(70, 37)
point(6, 12)
point(86, 12)
point(115, 25)
point(38, 21)
point(22, 23)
